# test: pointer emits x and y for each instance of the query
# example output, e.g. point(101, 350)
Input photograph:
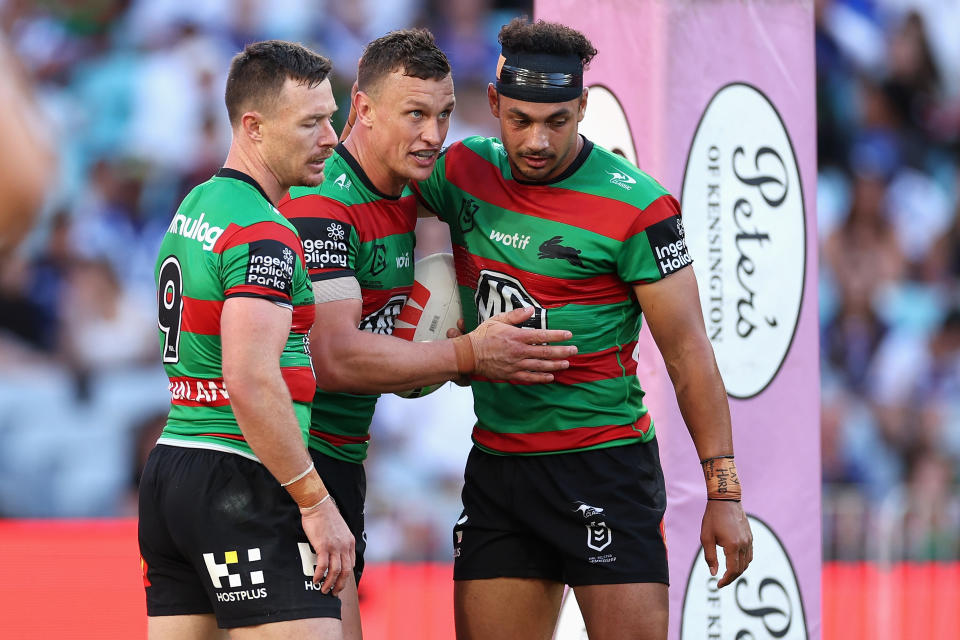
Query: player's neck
point(571, 158)
point(372, 163)
point(251, 164)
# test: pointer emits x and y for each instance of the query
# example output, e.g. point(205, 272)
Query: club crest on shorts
point(599, 535)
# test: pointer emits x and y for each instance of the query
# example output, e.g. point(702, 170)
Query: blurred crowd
point(888, 109)
point(131, 91)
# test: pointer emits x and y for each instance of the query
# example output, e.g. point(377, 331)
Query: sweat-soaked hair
point(413, 52)
point(257, 74)
point(521, 36)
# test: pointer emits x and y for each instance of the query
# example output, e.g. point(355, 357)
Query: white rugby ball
point(432, 308)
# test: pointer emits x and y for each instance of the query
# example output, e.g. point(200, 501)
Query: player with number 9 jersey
point(226, 240)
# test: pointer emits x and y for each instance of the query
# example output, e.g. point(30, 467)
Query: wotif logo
point(195, 230)
point(745, 230)
point(516, 240)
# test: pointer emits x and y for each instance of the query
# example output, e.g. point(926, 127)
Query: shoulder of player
point(623, 180)
point(246, 216)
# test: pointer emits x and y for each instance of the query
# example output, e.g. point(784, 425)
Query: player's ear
point(583, 105)
point(365, 108)
point(251, 124)
point(494, 99)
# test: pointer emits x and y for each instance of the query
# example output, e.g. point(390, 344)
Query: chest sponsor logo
point(516, 240)
point(498, 293)
point(270, 264)
point(747, 234)
point(552, 249)
point(669, 245)
point(622, 180)
point(197, 230)
point(383, 319)
point(465, 218)
point(234, 579)
point(403, 261)
point(324, 242)
point(764, 602)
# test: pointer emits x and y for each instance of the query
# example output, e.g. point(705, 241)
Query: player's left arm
point(671, 307)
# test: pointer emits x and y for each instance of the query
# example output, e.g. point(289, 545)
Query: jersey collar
point(569, 171)
point(242, 177)
point(359, 172)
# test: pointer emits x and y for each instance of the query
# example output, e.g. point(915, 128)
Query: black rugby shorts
point(583, 518)
point(218, 534)
point(347, 483)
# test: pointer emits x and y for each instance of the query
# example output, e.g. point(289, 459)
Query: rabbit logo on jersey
point(324, 243)
point(498, 293)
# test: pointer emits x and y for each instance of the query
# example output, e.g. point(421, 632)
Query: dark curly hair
point(414, 52)
point(258, 72)
point(545, 37)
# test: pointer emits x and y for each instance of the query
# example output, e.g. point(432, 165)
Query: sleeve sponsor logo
point(669, 245)
point(270, 264)
point(499, 293)
point(197, 230)
point(383, 319)
point(324, 242)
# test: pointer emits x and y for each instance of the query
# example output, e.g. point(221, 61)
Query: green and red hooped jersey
point(572, 248)
point(349, 228)
point(226, 240)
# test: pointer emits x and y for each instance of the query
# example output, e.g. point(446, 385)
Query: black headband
point(539, 77)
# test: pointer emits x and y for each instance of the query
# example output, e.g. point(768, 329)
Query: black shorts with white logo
point(582, 518)
point(347, 483)
point(218, 534)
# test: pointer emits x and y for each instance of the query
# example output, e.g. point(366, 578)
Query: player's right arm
point(264, 411)
point(347, 359)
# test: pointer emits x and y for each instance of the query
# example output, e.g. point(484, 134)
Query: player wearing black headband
point(564, 484)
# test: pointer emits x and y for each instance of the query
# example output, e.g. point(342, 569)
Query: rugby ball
point(432, 308)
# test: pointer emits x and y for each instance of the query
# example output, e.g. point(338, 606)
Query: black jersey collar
point(359, 172)
point(243, 177)
point(569, 171)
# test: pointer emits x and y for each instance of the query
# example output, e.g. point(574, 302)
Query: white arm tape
point(343, 288)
